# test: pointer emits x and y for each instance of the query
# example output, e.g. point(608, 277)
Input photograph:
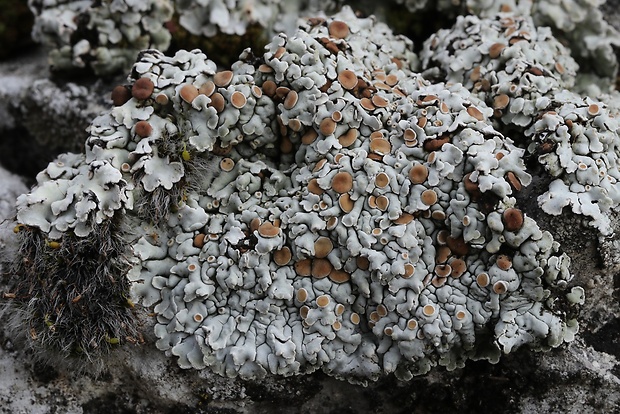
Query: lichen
point(527, 77)
point(320, 206)
point(102, 36)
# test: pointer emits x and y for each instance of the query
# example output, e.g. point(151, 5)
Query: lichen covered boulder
point(320, 206)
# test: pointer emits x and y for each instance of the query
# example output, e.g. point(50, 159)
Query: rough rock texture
point(582, 376)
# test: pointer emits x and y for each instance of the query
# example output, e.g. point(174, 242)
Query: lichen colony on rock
point(527, 77)
point(321, 206)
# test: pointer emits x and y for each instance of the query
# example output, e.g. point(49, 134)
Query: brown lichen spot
point(483, 280)
point(444, 108)
point(513, 181)
point(442, 237)
point(443, 270)
point(314, 188)
point(418, 173)
point(404, 218)
point(374, 316)
point(339, 276)
point(496, 50)
point(375, 157)
point(279, 52)
point(309, 136)
point(322, 247)
point(382, 310)
point(349, 137)
point(269, 88)
point(470, 186)
point(337, 116)
point(143, 129)
point(460, 315)
point(321, 268)
point(268, 230)
point(207, 88)
point(435, 144)
point(428, 310)
point(362, 262)
point(458, 267)
point(302, 295)
point(439, 215)
point(354, 318)
point(339, 309)
point(223, 78)
point(345, 203)
point(380, 146)
point(559, 68)
point(327, 126)
point(500, 287)
point(227, 164)
point(142, 89)
point(428, 197)
point(382, 86)
point(410, 135)
point(290, 100)
point(303, 311)
point(409, 270)
point(338, 29)
point(282, 256)
point(457, 245)
point(372, 201)
point(199, 240)
point(429, 100)
point(474, 76)
point(304, 267)
point(162, 99)
point(367, 104)
point(263, 68)
point(503, 262)
point(332, 222)
point(326, 86)
point(342, 182)
point(391, 79)
point(295, 125)
point(120, 95)
point(319, 165)
point(218, 102)
point(476, 113)
point(238, 99)
point(188, 93)
point(379, 101)
point(382, 180)
point(382, 202)
point(378, 74)
point(286, 145)
point(336, 326)
point(422, 121)
point(256, 91)
point(442, 254)
point(513, 219)
point(438, 281)
point(594, 109)
point(255, 224)
point(322, 301)
point(282, 92)
point(412, 324)
point(501, 101)
point(347, 79)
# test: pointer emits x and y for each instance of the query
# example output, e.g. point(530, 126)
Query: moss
point(72, 293)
